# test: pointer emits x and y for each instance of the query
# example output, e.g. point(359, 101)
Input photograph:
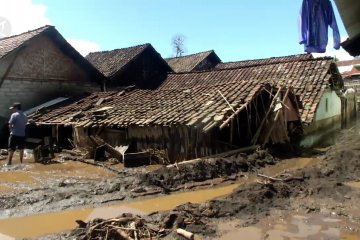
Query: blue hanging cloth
point(315, 18)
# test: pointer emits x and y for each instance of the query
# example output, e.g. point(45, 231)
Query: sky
point(235, 29)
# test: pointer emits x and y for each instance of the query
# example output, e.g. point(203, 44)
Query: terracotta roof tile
point(9, 44)
point(199, 106)
point(193, 98)
point(264, 61)
point(308, 77)
point(189, 62)
point(110, 62)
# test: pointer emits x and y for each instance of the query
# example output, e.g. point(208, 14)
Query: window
point(326, 105)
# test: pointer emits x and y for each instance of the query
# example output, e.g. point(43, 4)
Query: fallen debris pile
point(126, 227)
point(171, 178)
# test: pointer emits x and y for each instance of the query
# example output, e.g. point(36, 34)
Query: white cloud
point(24, 15)
point(340, 54)
point(83, 46)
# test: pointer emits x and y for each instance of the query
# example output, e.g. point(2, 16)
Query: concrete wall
point(327, 121)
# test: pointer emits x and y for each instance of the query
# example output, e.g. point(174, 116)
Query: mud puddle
point(290, 165)
point(42, 224)
point(354, 184)
point(17, 178)
point(292, 228)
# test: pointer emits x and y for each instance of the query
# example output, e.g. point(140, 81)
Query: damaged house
point(40, 65)
point(140, 66)
point(194, 114)
point(316, 81)
point(185, 121)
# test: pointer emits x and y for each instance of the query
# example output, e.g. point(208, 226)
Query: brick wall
point(41, 72)
point(34, 92)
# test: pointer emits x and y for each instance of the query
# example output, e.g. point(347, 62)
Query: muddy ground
point(66, 192)
point(327, 188)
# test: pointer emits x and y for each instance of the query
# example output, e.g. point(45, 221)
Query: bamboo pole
point(224, 124)
point(226, 101)
point(257, 134)
point(275, 119)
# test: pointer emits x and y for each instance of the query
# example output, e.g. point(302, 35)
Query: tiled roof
point(193, 98)
point(201, 106)
point(308, 78)
point(11, 43)
point(110, 62)
point(189, 62)
point(264, 61)
point(348, 62)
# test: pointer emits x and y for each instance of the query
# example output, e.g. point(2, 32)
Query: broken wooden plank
point(224, 154)
point(108, 148)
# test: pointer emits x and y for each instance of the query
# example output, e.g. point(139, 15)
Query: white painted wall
point(329, 106)
point(326, 122)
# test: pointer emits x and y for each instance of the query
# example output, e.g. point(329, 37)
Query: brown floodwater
point(42, 224)
point(353, 184)
point(29, 175)
point(292, 228)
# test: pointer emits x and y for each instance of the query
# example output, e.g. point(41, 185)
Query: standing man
point(17, 125)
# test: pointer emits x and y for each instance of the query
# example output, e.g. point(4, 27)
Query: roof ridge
point(30, 31)
point(117, 49)
point(257, 59)
point(254, 65)
point(189, 55)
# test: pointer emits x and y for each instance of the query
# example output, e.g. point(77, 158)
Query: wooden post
point(224, 124)
point(275, 119)
point(257, 134)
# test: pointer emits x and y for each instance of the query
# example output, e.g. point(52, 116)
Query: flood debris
point(124, 227)
point(100, 143)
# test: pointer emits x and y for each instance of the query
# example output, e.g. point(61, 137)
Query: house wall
point(40, 72)
point(327, 120)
